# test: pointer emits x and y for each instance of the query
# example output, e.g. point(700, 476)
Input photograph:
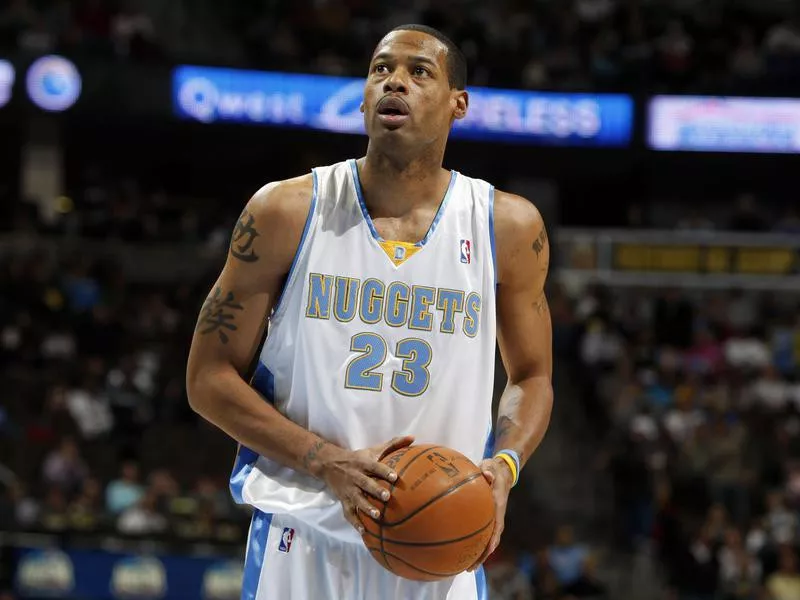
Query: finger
point(489, 475)
point(494, 541)
point(395, 444)
point(380, 470)
point(373, 488)
point(363, 505)
point(350, 515)
point(485, 554)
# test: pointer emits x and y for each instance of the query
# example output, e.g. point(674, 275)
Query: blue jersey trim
point(365, 213)
point(256, 551)
point(311, 210)
point(491, 231)
point(264, 383)
point(488, 447)
point(480, 584)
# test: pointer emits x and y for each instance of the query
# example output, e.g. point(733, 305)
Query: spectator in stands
point(54, 516)
point(784, 584)
point(781, 523)
point(566, 557)
point(86, 511)
point(506, 581)
point(783, 38)
point(727, 468)
point(698, 569)
point(64, 468)
point(125, 491)
point(142, 518)
point(673, 320)
point(746, 61)
point(588, 585)
point(790, 223)
point(740, 572)
point(89, 409)
point(747, 217)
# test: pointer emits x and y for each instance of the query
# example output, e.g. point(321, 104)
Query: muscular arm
point(524, 326)
point(232, 323)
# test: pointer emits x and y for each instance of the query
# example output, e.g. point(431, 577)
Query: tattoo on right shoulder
point(313, 452)
point(244, 234)
point(219, 314)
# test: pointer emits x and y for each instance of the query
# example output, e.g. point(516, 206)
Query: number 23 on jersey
point(410, 380)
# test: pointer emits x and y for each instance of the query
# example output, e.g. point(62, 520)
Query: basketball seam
point(438, 543)
point(450, 490)
point(410, 566)
point(391, 489)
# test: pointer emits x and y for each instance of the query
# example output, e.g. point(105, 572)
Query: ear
point(462, 103)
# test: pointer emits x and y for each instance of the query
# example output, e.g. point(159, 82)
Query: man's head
point(456, 61)
point(415, 87)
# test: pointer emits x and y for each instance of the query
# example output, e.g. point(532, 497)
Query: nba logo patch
point(286, 540)
point(466, 251)
point(399, 253)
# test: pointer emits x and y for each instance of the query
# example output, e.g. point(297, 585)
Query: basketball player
point(386, 281)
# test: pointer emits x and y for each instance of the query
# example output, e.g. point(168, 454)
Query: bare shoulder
point(520, 234)
point(271, 224)
point(515, 215)
point(282, 203)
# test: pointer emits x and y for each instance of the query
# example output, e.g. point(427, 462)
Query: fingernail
point(392, 476)
point(360, 529)
point(375, 514)
point(385, 495)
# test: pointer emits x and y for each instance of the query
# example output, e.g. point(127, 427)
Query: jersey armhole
point(491, 233)
point(290, 276)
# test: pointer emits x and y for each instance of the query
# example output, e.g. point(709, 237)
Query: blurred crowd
point(563, 569)
point(579, 44)
point(94, 28)
point(100, 205)
point(91, 368)
point(701, 395)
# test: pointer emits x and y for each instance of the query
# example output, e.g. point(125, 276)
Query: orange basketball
point(438, 519)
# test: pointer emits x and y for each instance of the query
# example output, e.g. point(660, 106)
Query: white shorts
point(289, 561)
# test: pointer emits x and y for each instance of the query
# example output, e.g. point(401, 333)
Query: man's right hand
point(351, 475)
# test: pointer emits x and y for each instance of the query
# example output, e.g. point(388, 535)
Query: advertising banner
point(212, 95)
point(711, 124)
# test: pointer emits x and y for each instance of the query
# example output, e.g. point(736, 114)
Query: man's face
point(407, 94)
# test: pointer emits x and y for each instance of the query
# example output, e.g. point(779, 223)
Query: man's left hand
point(498, 474)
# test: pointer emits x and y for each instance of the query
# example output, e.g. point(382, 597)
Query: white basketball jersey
point(373, 339)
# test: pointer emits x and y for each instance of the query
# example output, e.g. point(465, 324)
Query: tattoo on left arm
point(218, 314)
point(540, 304)
point(504, 424)
point(539, 242)
point(244, 234)
point(312, 453)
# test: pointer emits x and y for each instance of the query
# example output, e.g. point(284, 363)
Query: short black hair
point(456, 61)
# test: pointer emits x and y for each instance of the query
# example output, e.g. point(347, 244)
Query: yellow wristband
point(511, 465)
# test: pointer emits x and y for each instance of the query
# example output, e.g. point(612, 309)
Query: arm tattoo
point(312, 454)
point(218, 314)
point(540, 304)
point(504, 425)
point(244, 234)
point(539, 242)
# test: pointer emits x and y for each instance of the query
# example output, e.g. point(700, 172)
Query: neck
point(393, 184)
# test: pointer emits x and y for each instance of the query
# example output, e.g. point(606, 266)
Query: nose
point(395, 83)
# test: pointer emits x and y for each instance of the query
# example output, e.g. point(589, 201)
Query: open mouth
point(393, 110)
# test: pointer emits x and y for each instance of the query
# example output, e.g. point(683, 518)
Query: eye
point(381, 68)
point(421, 71)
